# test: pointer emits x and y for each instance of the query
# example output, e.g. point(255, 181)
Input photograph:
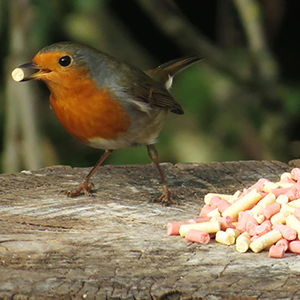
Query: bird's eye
point(65, 61)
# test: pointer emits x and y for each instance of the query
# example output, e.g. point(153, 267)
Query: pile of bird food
point(266, 216)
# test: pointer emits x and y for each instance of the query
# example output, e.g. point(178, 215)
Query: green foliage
point(227, 116)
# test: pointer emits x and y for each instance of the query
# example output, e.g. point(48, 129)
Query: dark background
point(241, 102)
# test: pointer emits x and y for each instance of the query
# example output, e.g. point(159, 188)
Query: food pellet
point(270, 186)
point(205, 210)
point(279, 191)
point(214, 201)
point(294, 192)
point(242, 204)
point(287, 232)
point(243, 242)
point(297, 213)
point(210, 227)
point(18, 74)
point(267, 200)
point(264, 216)
point(265, 240)
point(260, 184)
point(209, 196)
point(295, 174)
point(278, 218)
point(276, 251)
point(199, 220)
point(251, 226)
point(271, 210)
point(225, 238)
point(263, 228)
point(287, 209)
point(214, 213)
point(283, 243)
point(234, 232)
point(293, 222)
point(226, 222)
point(285, 175)
point(222, 205)
point(259, 218)
point(198, 236)
point(282, 199)
point(243, 219)
point(295, 203)
point(294, 247)
point(173, 227)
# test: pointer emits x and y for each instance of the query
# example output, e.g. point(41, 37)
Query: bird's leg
point(165, 198)
point(85, 187)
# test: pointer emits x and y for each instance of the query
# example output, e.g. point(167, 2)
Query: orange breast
point(87, 112)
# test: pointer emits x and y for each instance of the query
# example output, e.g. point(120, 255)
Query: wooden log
point(114, 245)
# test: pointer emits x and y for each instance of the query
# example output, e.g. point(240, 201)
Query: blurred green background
point(241, 102)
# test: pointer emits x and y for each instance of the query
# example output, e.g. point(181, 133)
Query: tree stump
point(114, 244)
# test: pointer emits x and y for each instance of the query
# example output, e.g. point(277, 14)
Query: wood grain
point(114, 245)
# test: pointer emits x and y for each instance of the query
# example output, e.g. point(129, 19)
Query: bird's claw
point(165, 199)
point(84, 188)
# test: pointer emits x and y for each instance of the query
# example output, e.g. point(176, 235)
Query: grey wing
point(154, 93)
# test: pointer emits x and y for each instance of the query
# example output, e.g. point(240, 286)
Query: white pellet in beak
point(18, 74)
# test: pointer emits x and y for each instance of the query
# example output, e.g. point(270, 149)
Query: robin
point(104, 102)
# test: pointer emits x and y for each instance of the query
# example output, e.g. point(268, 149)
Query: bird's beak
point(19, 74)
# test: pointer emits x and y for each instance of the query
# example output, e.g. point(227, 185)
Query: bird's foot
point(84, 188)
point(165, 199)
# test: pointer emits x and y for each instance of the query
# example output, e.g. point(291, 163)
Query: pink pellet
point(205, 210)
point(197, 236)
point(264, 194)
point(279, 191)
point(222, 205)
point(297, 213)
point(243, 218)
point(173, 227)
point(287, 232)
point(251, 226)
point(263, 228)
point(226, 222)
point(294, 192)
point(271, 210)
point(199, 220)
point(283, 243)
point(287, 180)
point(214, 201)
point(295, 174)
point(276, 251)
point(259, 185)
point(294, 246)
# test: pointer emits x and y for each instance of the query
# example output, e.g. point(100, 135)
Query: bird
point(106, 103)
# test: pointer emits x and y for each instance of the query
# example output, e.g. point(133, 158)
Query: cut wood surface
point(114, 245)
